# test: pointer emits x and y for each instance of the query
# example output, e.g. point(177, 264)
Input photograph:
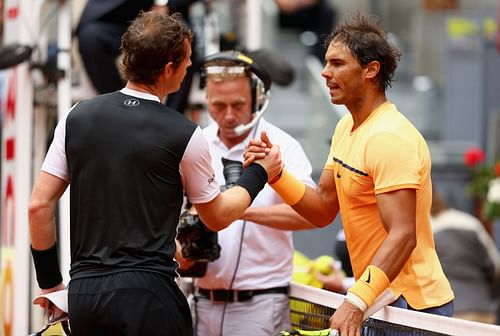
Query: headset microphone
point(240, 129)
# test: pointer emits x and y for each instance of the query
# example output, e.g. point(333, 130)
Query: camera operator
point(246, 287)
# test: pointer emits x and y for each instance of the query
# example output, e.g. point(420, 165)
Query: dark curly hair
point(367, 41)
point(151, 41)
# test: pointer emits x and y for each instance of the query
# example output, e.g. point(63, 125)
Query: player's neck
point(363, 108)
point(151, 89)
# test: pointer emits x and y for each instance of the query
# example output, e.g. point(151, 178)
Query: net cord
point(412, 319)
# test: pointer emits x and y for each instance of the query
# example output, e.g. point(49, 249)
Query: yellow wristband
point(289, 188)
point(370, 285)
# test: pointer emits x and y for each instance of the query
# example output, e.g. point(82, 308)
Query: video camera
point(198, 242)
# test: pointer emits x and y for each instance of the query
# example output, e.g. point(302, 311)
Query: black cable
point(234, 275)
point(230, 285)
point(240, 249)
point(195, 311)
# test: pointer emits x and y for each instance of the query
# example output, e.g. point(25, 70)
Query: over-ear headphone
point(260, 79)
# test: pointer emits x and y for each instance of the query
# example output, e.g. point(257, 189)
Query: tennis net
point(311, 309)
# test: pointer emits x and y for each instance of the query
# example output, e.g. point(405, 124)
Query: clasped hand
point(262, 151)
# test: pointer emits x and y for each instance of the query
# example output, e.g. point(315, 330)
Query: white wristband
point(355, 300)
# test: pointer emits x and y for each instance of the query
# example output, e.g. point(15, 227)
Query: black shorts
point(128, 304)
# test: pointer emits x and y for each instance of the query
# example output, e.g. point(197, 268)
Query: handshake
point(263, 152)
point(322, 272)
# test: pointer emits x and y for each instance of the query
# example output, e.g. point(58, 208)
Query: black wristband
point(253, 180)
point(47, 270)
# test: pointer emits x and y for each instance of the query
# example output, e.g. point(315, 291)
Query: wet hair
point(151, 41)
point(367, 41)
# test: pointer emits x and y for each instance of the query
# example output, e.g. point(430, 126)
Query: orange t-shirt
point(384, 154)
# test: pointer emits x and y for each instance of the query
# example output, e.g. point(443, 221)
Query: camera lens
point(232, 170)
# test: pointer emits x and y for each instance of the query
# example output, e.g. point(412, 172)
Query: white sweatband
point(355, 300)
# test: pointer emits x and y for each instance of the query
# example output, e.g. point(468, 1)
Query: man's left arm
point(398, 213)
point(46, 193)
point(395, 165)
point(397, 210)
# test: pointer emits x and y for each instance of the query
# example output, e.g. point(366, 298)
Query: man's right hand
point(263, 152)
point(256, 149)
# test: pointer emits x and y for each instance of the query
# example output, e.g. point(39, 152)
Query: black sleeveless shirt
point(126, 192)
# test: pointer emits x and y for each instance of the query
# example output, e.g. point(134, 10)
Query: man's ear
point(168, 70)
point(372, 69)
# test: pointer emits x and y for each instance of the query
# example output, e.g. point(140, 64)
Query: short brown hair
point(151, 41)
point(367, 41)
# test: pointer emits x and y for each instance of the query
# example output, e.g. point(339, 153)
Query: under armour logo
point(131, 102)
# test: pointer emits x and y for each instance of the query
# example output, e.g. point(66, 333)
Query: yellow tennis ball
point(315, 282)
point(300, 277)
point(306, 279)
point(300, 258)
point(324, 264)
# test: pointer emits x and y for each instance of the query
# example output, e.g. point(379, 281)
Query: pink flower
point(473, 156)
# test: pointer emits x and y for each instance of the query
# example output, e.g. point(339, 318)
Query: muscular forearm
point(394, 252)
point(43, 242)
point(316, 208)
point(279, 216)
point(319, 206)
point(46, 193)
point(398, 213)
point(42, 226)
point(224, 209)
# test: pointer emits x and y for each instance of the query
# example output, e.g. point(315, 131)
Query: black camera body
point(198, 242)
point(232, 171)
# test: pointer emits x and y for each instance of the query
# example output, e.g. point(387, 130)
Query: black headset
point(261, 81)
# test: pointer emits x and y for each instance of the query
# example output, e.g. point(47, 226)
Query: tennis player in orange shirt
point(378, 175)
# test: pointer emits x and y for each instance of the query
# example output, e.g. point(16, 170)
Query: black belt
point(224, 295)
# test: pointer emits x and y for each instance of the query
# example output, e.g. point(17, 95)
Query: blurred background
point(447, 82)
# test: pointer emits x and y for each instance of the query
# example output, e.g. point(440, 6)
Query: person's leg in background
point(99, 46)
point(322, 26)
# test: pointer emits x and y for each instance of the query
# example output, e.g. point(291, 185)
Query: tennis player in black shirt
point(129, 159)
